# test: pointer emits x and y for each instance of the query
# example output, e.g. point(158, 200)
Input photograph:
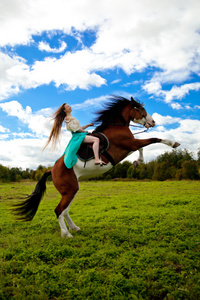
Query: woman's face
point(67, 108)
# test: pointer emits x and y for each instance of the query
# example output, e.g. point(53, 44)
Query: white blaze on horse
point(117, 143)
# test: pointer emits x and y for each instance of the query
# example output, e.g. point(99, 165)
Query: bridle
point(143, 115)
point(133, 125)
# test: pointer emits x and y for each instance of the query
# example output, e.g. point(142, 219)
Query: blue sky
point(80, 52)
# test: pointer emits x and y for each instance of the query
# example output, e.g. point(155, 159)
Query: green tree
point(175, 157)
point(143, 173)
point(150, 169)
point(198, 156)
point(190, 170)
point(26, 174)
point(160, 171)
point(132, 172)
point(15, 174)
point(4, 174)
point(38, 174)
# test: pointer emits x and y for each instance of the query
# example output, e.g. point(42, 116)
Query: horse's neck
point(123, 117)
point(126, 113)
point(120, 136)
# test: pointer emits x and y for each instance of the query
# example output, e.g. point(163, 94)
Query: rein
point(139, 131)
point(127, 125)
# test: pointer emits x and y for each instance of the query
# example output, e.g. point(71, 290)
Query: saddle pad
point(85, 151)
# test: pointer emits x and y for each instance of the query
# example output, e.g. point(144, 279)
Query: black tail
point(27, 209)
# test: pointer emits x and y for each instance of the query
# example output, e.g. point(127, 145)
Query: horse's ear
point(132, 99)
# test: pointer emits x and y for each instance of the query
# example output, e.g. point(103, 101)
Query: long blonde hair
point(58, 118)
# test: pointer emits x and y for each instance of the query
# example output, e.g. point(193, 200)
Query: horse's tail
point(27, 209)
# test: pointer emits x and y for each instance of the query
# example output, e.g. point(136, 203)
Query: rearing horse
point(114, 124)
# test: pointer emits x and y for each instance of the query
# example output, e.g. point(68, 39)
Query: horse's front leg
point(138, 144)
point(170, 143)
point(140, 159)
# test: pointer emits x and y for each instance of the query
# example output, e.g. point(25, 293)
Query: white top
point(73, 124)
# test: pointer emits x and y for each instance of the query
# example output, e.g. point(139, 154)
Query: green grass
point(138, 240)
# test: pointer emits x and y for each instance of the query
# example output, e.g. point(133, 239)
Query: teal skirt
point(70, 157)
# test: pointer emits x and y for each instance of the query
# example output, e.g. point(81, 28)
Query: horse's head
point(140, 116)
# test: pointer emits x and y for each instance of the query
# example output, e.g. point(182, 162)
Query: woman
point(79, 135)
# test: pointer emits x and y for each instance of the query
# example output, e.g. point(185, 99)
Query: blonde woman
point(79, 135)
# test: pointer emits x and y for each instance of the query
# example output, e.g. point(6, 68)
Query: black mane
point(112, 112)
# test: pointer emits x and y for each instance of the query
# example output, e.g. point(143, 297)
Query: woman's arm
point(88, 125)
point(84, 127)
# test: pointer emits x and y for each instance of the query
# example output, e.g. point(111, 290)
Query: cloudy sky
point(80, 52)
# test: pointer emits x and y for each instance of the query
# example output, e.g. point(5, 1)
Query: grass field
point(138, 240)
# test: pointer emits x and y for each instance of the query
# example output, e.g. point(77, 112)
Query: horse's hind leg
point(62, 210)
point(63, 227)
point(66, 183)
point(69, 221)
point(61, 217)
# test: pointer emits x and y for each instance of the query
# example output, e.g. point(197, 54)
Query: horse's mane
point(112, 111)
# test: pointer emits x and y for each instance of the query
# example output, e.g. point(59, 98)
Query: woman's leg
point(95, 146)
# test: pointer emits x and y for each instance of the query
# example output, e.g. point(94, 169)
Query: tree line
point(175, 165)
point(17, 174)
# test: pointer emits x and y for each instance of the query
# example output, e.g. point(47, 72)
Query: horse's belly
point(90, 170)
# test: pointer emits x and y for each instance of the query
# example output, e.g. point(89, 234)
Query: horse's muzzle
point(149, 124)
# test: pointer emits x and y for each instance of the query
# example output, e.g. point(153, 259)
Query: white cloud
point(21, 20)
point(3, 129)
point(115, 81)
point(153, 87)
point(26, 152)
point(90, 103)
point(37, 123)
point(176, 92)
point(176, 106)
point(13, 74)
point(131, 35)
point(44, 46)
point(179, 92)
point(164, 120)
point(188, 107)
point(72, 70)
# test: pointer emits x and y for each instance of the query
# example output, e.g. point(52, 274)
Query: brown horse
point(114, 123)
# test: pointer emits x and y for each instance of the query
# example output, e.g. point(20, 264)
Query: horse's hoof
point(75, 229)
point(66, 235)
point(176, 145)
